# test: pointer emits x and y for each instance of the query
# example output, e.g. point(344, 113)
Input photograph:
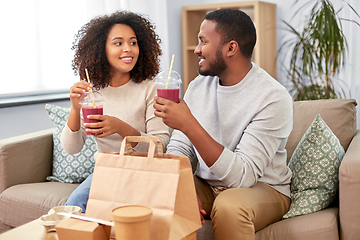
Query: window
point(35, 45)
point(36, 40)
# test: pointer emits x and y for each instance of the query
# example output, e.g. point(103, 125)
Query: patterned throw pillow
point(315, 167)
point(69, 168)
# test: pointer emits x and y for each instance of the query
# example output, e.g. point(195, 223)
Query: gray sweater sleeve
point(260, 154)
point(181, 145)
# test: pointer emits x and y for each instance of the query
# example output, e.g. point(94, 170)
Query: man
point(235, 119)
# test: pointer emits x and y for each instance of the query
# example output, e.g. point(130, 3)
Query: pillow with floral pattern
point(69, 168)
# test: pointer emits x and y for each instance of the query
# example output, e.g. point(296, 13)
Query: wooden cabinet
point(263, 15)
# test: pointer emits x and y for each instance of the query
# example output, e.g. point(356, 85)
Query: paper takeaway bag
point(161, 181)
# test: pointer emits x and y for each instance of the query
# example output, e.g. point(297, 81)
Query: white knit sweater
point(133, 104)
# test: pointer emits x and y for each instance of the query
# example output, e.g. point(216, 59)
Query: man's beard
point(216, 67)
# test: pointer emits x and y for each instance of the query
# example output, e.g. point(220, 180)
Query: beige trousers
point(237, 213)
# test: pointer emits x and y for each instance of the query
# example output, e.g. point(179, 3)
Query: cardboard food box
point(76, 229)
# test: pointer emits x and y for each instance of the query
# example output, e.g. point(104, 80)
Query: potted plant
point(317, 52)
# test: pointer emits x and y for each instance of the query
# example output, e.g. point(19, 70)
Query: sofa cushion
point(322, 225)
point(4, 228)
point(315, 167)
point(69, 168)
point(35, 148)
point(23, 203)
point(339, 115)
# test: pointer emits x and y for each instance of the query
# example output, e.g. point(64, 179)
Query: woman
point(121, 54)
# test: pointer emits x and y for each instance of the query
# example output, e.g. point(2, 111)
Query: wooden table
point(35, 231)
point(29, 231)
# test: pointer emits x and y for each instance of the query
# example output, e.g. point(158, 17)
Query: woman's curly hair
point(90, 52)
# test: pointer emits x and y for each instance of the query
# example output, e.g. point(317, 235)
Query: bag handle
point(149, 139)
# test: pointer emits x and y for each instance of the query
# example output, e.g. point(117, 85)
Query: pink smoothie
point(169, 93)
point(98, 110)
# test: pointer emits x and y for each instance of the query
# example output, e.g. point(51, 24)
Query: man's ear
point(233, 47)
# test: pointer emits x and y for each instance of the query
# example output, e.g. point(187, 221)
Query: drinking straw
point(91, 92)
point(171, 65)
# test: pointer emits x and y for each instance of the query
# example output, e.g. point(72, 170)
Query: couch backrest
point(338, 114)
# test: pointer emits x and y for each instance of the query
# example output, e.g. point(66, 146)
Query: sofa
point(26, 161)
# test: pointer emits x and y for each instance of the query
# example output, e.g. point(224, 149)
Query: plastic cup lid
point(163, 76)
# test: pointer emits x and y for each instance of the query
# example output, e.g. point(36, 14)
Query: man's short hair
point(235, 25)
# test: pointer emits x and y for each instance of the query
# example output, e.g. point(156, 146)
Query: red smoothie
point(98, 110)
point(169, 93)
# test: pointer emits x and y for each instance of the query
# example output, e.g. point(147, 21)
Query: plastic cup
point(132, 222)
point(168, 89)
point(91, 104)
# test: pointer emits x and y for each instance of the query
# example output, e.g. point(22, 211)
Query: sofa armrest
point(26, 158)
point(349, 191)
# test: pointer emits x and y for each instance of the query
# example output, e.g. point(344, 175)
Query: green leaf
point(318, 50)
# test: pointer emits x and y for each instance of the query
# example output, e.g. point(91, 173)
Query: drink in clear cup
point(91, 104)
point(168, 88)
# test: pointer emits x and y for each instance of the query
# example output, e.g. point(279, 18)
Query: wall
point(20, 120)
point(174, 16)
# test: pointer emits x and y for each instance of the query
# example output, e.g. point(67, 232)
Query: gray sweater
point(252, 120)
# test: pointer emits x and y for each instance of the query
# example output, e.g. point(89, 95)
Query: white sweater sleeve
point(72, 142)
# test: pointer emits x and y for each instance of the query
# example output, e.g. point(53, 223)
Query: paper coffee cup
point(132, 222)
